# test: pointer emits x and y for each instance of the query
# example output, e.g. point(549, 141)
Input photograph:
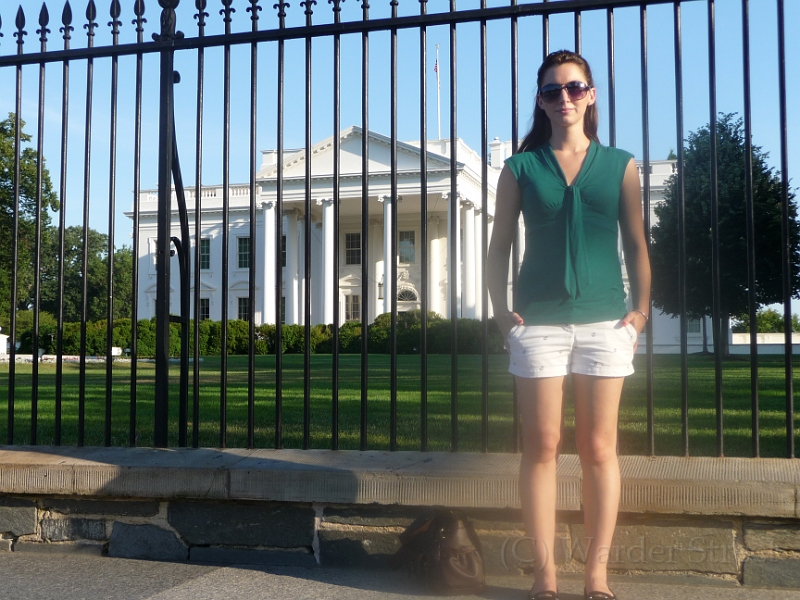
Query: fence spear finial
point(20, 23)
point(44, 21)
point(66, 21)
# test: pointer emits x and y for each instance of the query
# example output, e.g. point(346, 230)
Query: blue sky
point(663, 133)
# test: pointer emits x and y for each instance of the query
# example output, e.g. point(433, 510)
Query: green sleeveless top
point(571, 270)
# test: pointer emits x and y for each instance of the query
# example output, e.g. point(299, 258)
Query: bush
point(350, 337)
point(409, 329)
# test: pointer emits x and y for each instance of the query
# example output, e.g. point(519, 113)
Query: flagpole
point(438, 95)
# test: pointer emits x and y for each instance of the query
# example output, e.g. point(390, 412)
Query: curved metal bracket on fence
point(169, 170)
point(182, 246)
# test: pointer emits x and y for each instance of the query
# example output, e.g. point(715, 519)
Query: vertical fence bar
point(281, 6)
point(453, 260)
point(681, 231)
point(648, 234)
point(715, 257)
point(251, 277)
point(365, 274)
point(336, 228)
point(165, 154)
point(750, 212)
point(66, 20)
point(423, 227)
point(578, 35)
point(612, 97)
point(138, 10)
point(201, 15)
point(44, 19)
point(545, 32)
point(112, 194)
point(12, 365)
point(515, 421)
point(307, 243)
point(391, 260)
point(786, 241)
point(226, 200)
point(484, 240)
point(91, 14)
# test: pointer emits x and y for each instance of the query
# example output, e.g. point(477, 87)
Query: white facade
point(351, 287)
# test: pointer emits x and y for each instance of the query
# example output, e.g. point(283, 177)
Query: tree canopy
point(768, 320)
point(732, 227)
point(27, 212)
point(50, 255)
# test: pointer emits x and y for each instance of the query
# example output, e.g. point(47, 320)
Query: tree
point(97, 280)
point(23, 270)
point(732, 228)
point(768, 320)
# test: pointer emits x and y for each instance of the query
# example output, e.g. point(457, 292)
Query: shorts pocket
point(513, 331)
point(632, 331)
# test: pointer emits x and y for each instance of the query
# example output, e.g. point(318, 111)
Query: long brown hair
point(541, 130)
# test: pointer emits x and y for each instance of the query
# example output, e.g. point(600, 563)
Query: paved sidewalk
point(63, 577)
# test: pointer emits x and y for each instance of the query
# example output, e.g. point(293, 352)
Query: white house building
point(468, 218)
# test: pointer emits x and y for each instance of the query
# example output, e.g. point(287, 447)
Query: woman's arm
point(506, 223)
point(634, 247)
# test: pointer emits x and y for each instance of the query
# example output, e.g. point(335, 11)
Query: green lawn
point(736, 391)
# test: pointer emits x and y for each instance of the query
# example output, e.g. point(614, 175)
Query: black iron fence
point(150, 398)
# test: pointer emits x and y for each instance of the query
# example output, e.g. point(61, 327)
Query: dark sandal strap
point(599, 596)
point(543, 595)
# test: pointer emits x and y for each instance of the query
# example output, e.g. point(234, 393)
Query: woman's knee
point(541, 446)
point(597, 450)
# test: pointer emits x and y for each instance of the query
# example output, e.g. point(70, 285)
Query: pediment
point(322, 154)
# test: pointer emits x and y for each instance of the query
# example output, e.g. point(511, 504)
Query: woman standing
point(570, 316)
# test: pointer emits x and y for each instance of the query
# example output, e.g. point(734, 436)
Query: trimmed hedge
point(409, 330)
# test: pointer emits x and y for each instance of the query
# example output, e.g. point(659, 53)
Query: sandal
point(543, 595)
point(598, 596)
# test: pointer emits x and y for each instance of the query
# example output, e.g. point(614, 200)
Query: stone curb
point(670, 485)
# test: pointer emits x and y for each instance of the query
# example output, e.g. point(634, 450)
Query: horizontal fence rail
point(334, 294)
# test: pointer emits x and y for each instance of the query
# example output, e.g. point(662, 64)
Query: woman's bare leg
point(540, 403)
point(596, 415)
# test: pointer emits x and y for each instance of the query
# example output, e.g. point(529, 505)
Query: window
point(352, 249)
point(406, 247)
point(283, 250)
point(352, 308)
point(205, 253)
point(244, 252)
point(205, 309)
point(406, 296)
point(693, 326)
point(244, 309)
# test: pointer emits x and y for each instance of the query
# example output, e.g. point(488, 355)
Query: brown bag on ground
point(442, 552)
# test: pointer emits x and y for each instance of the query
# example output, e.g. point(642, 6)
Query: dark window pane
point(244, 252)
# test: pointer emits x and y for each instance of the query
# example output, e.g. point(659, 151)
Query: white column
point(290, 278)
point(327, 284)
point(453, 262)
point(268, 254)
point(435, 260)
point(490, 231)
point(301, 268)
point(376, 268)
point(468, 294)
point(479, 261)
point(388, 272)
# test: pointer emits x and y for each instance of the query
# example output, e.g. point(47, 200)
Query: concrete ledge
point(670, 485)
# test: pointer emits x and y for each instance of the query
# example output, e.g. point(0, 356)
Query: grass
point(633, 411)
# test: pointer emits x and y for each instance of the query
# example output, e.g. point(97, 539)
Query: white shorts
point(603, 349)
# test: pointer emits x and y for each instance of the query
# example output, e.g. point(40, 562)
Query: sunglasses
point(576, 90)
